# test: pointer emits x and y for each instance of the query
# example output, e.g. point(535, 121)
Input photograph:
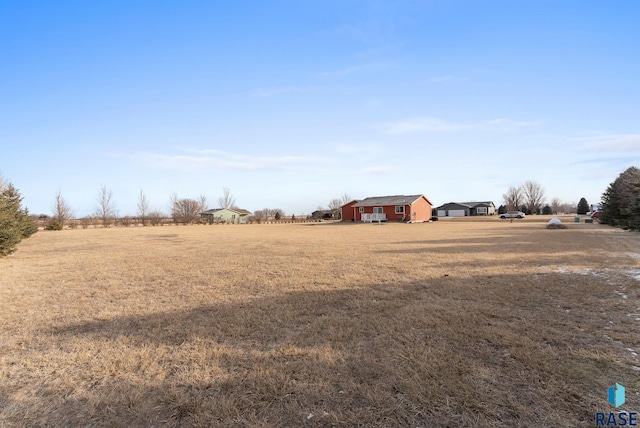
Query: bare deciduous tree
point(266, 213)
point(106, 209)
point(513, 198)
point(555, 205)
point(533, 194)
point(334, 204)
point(155, 218)
point(143, 207)
point(202, 200)
point(258, 216)
point(226, 200)
point(173, 206)
point(62, 212)
point(187, 210)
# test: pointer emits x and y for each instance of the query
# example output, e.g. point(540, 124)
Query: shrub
point(53, 225)
point(15, 222)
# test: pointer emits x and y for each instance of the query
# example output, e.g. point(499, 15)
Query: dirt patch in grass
point(485, 323)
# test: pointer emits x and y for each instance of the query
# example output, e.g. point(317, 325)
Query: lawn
point(483, 322)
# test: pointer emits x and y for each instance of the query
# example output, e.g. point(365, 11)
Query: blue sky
point(292, 103)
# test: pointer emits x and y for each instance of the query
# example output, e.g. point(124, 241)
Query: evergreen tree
point(546, 210)
point(635, 213)
point(583, 206)
point(15, 222)
point(620, 199)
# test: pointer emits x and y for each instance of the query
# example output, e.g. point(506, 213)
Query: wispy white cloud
point(376, 169)
point(434, 124)
point(213, 158)
point(617, 143)
point(506, 124)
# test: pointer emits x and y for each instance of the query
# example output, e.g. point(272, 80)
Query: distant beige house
point(226, 215)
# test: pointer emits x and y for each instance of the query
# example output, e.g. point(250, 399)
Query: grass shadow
point(498, 351)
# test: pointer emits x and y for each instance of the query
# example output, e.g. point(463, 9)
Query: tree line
point(530, 198)
point(181, 211)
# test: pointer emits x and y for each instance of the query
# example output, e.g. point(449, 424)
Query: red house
point(409, 209)
point(346, 211)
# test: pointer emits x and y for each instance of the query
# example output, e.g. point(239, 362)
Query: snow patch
point(634, 273)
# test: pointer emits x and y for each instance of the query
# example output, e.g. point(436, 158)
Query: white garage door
point(442, 213)
point(456, 213)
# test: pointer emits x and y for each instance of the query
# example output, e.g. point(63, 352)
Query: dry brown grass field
point(485, 323)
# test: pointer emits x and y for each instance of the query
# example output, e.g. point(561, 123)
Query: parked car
point(512, 214)
point(595, 214)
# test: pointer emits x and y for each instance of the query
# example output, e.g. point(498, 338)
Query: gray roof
point(475, 204)
point(211, 211)
point(236, 210)
point(466, 204)
point(241, 211)
point(377, 201)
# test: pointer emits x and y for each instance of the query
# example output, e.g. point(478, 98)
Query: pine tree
point(15, 223)
point(620, 198)
point(583, 206)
